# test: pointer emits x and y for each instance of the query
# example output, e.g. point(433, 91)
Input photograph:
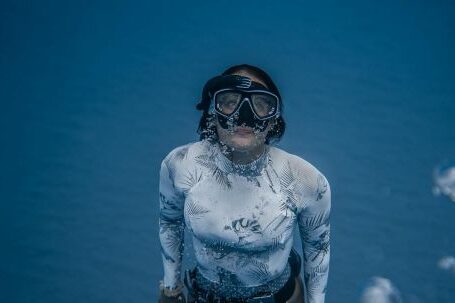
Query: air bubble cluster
point(444, 181)
point(380, 290)
point(447, 263)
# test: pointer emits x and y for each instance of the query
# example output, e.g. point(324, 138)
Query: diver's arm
point(314, 227)
point(171, 225)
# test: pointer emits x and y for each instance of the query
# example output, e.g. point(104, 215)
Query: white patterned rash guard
point(241, 217)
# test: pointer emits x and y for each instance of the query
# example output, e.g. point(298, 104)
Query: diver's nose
point(245, 108)
point(246, 115)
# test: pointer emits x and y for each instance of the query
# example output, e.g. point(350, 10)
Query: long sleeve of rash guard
point(171, 225)
point(314, 227)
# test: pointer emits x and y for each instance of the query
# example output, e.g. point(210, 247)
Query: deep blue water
point(94, 94)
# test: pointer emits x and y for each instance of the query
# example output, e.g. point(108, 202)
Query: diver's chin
point(243, 143)
point(240, 138)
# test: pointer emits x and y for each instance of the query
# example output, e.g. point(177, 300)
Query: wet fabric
point(241, 217)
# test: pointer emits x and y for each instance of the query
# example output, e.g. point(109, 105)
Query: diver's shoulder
point(295, 162)
point(185, 151)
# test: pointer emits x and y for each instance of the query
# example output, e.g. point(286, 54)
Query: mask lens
point(264, 105)
point(227, 102)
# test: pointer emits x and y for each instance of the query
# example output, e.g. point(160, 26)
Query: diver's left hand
point(174, 299)
point(174, 295)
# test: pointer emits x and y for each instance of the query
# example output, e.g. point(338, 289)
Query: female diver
point(240, 198)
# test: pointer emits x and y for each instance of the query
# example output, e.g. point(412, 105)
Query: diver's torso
point(232, 227)
point(241, 216)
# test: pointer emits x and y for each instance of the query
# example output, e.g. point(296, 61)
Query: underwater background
point(94, 94)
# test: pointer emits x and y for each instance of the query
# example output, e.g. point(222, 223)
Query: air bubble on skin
point(231, 126)
point(224, 148)
point(380, 290)
point(210, 131)
point(444, 180)
point(447, 263)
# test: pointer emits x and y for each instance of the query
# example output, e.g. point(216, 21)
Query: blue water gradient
point(95, 93)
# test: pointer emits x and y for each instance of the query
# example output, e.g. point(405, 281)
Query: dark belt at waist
point(280, 296)
point(203, 295)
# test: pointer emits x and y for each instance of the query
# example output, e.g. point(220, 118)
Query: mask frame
point(246, 96)
point(239, 83)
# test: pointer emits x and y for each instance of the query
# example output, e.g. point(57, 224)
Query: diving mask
point(237, 100)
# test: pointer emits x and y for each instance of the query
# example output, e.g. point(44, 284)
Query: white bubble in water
point(380, 290)
point(444, 181)
point(447, 263)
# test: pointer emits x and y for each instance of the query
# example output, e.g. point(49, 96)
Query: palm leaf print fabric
point(241, 218)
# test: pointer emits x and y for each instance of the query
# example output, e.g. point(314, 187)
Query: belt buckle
point(262, 299)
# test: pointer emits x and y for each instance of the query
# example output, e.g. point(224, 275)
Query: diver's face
point(241, 137)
